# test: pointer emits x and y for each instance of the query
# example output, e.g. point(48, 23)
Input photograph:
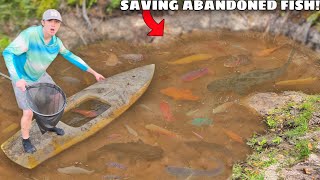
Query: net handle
point(7, 77)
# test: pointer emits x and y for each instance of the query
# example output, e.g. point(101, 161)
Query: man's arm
point(15, 48)
point(77, 61)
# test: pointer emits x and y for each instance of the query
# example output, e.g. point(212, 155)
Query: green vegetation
point(4, 42)
point(115, 4)
point(302, 147)
point(89, 3)
point(289, 123)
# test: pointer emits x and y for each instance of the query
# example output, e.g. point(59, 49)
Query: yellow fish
point(297, 81)
point(192, 58)
point(10, 128)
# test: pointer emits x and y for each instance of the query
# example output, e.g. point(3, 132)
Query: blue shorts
point(21, 95)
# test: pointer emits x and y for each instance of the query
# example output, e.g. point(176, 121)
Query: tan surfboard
point(119, 92)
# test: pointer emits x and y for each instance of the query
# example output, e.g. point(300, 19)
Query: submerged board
point(119, 92)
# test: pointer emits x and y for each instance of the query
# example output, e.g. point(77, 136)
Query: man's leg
point(26, 121)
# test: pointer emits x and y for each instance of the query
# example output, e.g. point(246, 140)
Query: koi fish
point(192, 58)
point(297, 82)
point(238, 60)
point(74, 170)
point(116, 165)
point(186, 171)
point(86, 113)
point(112, 60)
point(10, 128)
point(233, 136)
point(194, 74)
point(160, 130)
point(131, 131)
point(166, 112)
point(241, 83)
point(132, 58)
point(179, 94)
point(267, 52)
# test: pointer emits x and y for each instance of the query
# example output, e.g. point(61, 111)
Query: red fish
point(86, 113)
point(166, 112)
point(194, 74)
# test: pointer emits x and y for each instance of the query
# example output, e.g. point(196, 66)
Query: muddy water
point(210, 149)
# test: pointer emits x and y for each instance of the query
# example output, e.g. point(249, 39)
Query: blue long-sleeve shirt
point(28, 56)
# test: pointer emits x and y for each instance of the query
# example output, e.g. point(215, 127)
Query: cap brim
point(53, 19)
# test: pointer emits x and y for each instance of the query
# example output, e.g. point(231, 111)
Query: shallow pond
point(185, 98)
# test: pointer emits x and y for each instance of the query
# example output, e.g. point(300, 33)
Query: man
point(27, 59)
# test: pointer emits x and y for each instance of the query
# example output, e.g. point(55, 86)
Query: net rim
point(28, 87)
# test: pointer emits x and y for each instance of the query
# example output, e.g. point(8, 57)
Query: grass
point(289, 123)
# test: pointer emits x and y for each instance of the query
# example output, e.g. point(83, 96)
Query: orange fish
point(166, 112)
point(267, 52)
point(160, 130)
point(86, 113)
point(179, 94)
point(233, 136)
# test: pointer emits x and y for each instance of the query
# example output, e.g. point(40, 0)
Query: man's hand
point(21, 84)
point(98, 76)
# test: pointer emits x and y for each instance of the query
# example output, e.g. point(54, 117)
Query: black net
point(47, 101)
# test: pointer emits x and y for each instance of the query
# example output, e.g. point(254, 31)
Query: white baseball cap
point(51, 14)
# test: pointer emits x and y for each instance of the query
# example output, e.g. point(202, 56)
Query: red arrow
point(156, 29)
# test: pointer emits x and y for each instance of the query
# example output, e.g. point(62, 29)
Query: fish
point(233, 136)
point(10, 128)
point(130, 150)
point(192, 112)
point(267, 52)
point(237, 60)
point(131, 131)
point(186, 171)
point(304, 81)
point(190, 76)
point(223, 107)
point(201, 121)
point(86, 113)
point(116, 165)
point(192, 58)
point(114, 136)
point(240, 83)
point(113, 177)
point(71, 80)
point(112, 60)
point(146, 107)
point(179, 94)
point(132, 58)
point(160, 130)
point(198, 135)
point(166, 112)
point(74, 170)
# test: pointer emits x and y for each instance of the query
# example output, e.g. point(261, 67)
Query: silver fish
point(74, 170)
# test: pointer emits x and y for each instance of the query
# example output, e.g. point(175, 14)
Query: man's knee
point(28, 113)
